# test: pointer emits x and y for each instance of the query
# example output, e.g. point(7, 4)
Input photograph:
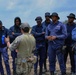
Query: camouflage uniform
point(25, 44)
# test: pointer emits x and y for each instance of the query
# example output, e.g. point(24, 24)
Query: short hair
point(26, 29)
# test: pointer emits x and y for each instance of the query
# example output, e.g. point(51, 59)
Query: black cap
point(55, 14)
point(71, 15)
point(39, 18)
point(0, 22)
point(47, 14)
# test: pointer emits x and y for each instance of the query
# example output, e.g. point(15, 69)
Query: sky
point(28, 10)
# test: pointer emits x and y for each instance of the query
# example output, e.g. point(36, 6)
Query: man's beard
point(0, 28)
point(71, 22)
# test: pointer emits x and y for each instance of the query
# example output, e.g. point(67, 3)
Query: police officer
point(68, 42)
point(47, 19)
point(24, 45)
point(39, 34)
point(45, 24)
point(14, 31)
point(74, 46)
point(56, 33)
point(3, 50)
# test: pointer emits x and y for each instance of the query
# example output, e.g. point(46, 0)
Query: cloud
point(11, 5)
point(28, 10)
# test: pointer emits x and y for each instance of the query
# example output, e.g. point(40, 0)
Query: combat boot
point(63, 73)
point(14, 72)
point(40, 72)
point(73, 73)
point(52, 73)
point(35, 72)
point(45, 68)
point(1, 74)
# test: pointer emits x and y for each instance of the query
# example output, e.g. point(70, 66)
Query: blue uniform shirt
point(69, 40)
point(45, 24)
point(74, 34)
point(37, 32)
point(4, 32)
point(59, 30)
point(17, 32)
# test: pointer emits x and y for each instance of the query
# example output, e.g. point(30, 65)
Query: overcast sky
point(28, 10)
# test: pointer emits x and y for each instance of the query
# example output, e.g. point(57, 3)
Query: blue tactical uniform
point(45, 25)
point(74, 34)
point(74, 38)
point(3, 51)
point(40, 45)
point(69, 42)
point(54, 47)
point(17, 32)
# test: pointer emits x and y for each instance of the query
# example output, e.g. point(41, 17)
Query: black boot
point(63, 73)
point(1, 74)
point(35, 72)
point(40, 72)
point(52, 73)
point(45, 68)
point(14, 72)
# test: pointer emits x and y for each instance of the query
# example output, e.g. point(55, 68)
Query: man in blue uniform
point(47, 19)
point(68, 42)
point(56, 33)
point(14, 31)
point(39, 34)
point(3, 50)
point(74, 47)
point(45, 24)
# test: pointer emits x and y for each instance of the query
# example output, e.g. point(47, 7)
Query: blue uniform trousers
point(52, 52)
point(14, 56)
point(75, 62)
point(3, 52)
point(69, 51)
point(40, 56)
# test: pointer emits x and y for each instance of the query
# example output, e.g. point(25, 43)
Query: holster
point(74, 49)
point(62, 49)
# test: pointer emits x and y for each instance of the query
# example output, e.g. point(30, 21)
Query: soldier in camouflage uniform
point(24, 45)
